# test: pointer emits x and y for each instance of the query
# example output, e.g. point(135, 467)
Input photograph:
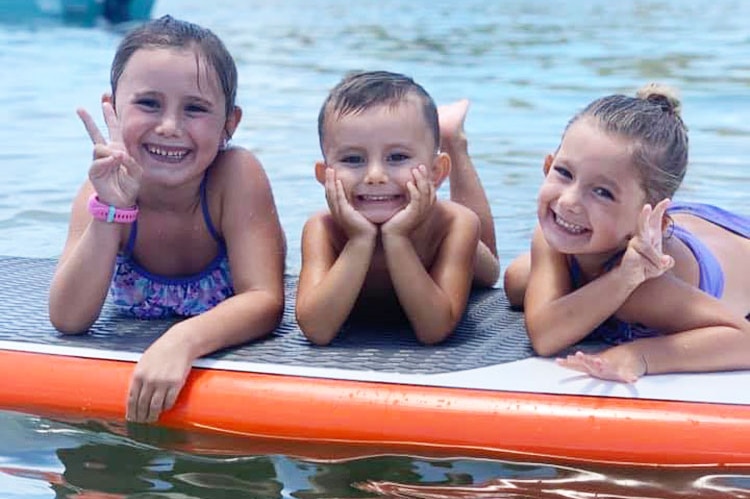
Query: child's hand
point(643, 258)
point(157, 381)
point(422, 198)
point(615, 364)
point(115, 175)
point(352, 221)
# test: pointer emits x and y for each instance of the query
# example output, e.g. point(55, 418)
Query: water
point(527, 66)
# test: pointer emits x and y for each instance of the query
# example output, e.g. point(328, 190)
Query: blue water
point(527, 66)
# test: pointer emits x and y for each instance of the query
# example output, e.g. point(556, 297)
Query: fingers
point(113, 124)
point(91, 128)
point(421, 190)
point(661, 208)
point(596, 366)
point(147, 401)
point(134, 170)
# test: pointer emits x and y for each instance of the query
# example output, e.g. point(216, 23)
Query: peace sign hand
point(643, 258)
point(115, 175)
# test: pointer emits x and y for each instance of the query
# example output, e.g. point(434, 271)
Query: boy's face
point(374, 152)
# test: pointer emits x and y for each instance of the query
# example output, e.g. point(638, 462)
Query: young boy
point(387, 240)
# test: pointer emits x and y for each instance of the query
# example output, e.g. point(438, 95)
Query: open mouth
point(168, 154)
point(568, 226)
point(378, 198)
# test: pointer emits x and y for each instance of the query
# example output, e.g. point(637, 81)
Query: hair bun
point(661, 95)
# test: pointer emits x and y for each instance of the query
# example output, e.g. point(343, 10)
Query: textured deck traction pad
point(489, 333)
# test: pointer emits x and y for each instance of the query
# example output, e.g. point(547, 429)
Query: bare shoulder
point(455, 215)
point(321, 225)
point(233, 166)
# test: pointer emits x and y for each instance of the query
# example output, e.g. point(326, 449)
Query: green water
point(527, 66)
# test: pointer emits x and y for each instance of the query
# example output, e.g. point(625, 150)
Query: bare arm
point(84, 270)
point(434, 301)
point(256, 248)
point(330, 282)
point(701, 335)
point(557, 317)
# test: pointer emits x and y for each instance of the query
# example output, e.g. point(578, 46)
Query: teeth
point(570, 227)
point(169, 154)
point(377, 198)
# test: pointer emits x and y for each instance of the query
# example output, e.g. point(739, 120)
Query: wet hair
point(362, 90)
point(651, 120)
point(168, 32)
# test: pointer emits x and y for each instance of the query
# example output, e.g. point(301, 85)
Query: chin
point(378, 219)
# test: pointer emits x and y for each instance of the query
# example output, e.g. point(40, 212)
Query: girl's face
point(591, 196)
point(374, 154)
point(171, 112)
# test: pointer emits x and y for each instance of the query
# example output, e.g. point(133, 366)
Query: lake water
point(526, 65)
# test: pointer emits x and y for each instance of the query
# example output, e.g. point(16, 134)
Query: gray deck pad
point(490, 332)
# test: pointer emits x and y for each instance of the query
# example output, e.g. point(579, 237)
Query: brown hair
point(652, 121)
point(359, 91)
point(168, 32)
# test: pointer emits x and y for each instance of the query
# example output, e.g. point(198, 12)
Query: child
point(387, 241)
point(667, 284)
point(169, 209)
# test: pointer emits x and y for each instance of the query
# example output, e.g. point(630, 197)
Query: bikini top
point(137, 292)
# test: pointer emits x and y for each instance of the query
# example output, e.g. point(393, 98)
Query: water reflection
point(91, 459)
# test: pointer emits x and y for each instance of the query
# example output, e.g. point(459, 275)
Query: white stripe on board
point(534, 375)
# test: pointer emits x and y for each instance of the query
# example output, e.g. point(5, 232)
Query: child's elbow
point(317, 335)
point(314, 331)
point(65, 323)
point(434, 336)
point(542, 346)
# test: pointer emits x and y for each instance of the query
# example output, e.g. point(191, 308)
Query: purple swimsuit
point(615, 331)
point(136, 291)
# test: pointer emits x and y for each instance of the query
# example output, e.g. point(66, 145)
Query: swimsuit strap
point(131, 239)
point(576, 274)
point(206, 217)
point(206, 213)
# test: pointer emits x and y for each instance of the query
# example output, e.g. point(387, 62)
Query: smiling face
point(591, 195)
point(171, 110)
point(373, 153)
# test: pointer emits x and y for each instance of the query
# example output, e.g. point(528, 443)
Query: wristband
point(109, 213)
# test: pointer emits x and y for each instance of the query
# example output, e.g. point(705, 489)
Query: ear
point(548, 159)
point(232, 122)
point(440, 169)
point(320, 171)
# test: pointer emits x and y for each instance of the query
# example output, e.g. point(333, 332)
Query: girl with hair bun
point(614, 260)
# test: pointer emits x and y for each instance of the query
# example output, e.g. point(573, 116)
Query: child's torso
point(173, 264)
point(426, 241)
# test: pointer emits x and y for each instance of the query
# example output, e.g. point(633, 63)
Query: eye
point(196, 109)
point(147, 104)
point(604, 193)
point(398, 157)
point(563, 172)
point(352, 160)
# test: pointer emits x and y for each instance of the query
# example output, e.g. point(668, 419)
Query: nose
point(376, 173)
point(570, 199)
point(170, 125)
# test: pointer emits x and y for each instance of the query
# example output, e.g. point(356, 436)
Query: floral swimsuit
point(137, 292)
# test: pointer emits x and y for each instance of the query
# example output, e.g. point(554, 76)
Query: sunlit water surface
point(526, 65)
